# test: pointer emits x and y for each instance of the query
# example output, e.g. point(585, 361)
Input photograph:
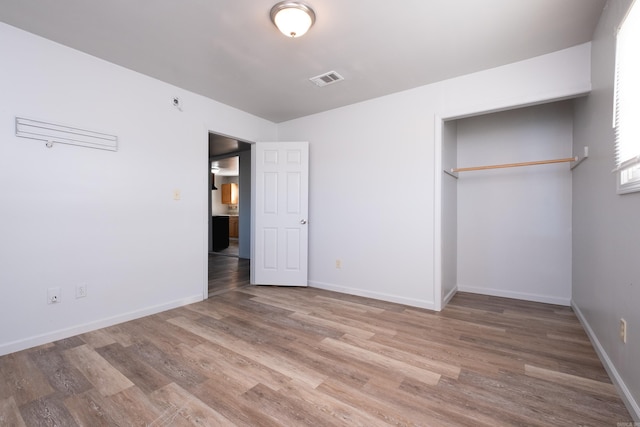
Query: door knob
point(303, 221)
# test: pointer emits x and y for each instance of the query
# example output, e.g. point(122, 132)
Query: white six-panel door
point(280, 206)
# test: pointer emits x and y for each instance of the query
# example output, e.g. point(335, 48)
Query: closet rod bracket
point(453, 174)
point(579, 160)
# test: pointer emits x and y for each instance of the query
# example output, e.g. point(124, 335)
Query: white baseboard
point(516, 295)
point(448, 296)
point(625, 394)
point(48, 337)
point(413, 302)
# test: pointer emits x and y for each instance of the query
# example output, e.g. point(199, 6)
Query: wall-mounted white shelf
point(53, 133)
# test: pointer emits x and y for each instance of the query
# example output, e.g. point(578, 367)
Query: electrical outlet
point(53, 295)
point(81, 291)
point(623, 330)
point(338, 264)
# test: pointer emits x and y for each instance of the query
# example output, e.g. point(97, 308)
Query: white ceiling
point(230, 51)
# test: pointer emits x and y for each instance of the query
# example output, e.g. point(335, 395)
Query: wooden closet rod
point(515, 165)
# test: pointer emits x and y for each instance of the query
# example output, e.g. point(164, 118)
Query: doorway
point(229, 223)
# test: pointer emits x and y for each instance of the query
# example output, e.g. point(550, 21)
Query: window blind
point(627, 89)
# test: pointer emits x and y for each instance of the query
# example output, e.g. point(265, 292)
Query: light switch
point(176, 194)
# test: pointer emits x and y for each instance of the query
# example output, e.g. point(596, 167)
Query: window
point(627, 102)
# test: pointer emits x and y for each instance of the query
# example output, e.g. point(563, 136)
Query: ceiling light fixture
point(292, 18)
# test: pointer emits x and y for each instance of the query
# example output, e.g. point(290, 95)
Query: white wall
point(514, 225)
point(72, 215)
point(383, 230)
point(606, 226)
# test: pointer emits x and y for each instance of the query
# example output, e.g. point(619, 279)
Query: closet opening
point(505, 230)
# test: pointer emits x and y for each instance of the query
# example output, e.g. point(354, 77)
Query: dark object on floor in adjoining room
point(220, 232)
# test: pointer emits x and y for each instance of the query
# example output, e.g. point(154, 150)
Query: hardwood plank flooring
point(281, 356)
point(226, 273)
point(232, 250)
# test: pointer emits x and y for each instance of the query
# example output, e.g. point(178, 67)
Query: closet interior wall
point(512, 227)
point(449, 236)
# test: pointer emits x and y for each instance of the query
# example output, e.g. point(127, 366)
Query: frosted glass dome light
point(292, 18)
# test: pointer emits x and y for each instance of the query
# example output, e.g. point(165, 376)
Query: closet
point(506, 231)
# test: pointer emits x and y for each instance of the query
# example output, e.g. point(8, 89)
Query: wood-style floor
point(232, 250)
point(227, 273)
point(271, 356)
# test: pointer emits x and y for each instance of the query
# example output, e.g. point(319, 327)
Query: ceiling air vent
point(326, 78)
